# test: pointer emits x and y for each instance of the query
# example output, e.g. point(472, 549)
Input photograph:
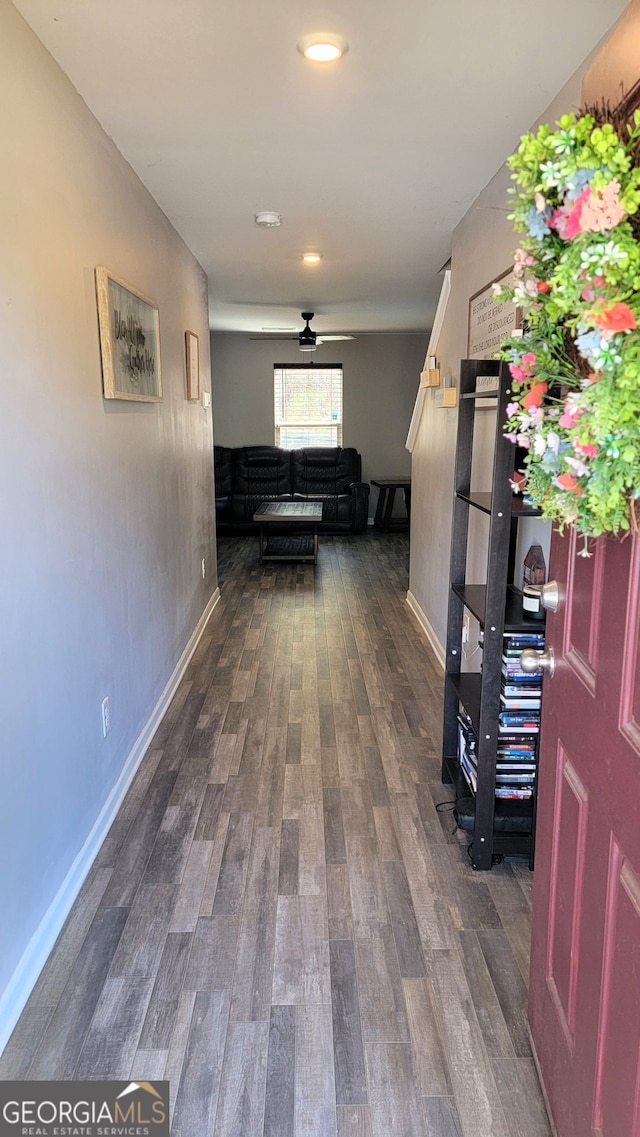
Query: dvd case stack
point(519, 719)
point(467, 754)
point(518, 725)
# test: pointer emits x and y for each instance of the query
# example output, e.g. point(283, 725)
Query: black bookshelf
point(500, 826)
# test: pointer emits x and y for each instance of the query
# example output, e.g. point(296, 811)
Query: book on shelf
point(526, 754)
point(527, 729)
point(527, 639)
point(521, 690)
point(538, 634)
point(515, 767)
point(509, 742)
point(512, 667)
point(470, 774)
point(514, 779)
point(514, 793)
point(512, 703)
point(519, 718)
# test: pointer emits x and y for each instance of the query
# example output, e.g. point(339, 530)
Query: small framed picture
point(193, 365)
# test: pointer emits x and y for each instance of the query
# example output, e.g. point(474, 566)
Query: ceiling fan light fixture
point(322, 47)
point(312, 258)
point(307, 337)
point(268, 219)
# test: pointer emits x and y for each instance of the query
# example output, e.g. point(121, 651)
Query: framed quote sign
point(129, 340)
point(490, 320)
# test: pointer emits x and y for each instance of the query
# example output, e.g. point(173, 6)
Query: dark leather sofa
point(247, 475)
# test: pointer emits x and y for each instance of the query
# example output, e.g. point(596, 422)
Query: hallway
point(280, 922)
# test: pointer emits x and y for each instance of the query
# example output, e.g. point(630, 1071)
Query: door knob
point(532, 661)
point(550, 596)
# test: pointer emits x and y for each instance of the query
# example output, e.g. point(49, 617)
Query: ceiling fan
point(307, 339)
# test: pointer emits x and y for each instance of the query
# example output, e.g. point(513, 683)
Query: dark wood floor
point(280, 922)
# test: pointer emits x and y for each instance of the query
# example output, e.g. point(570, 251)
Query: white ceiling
point(371, 161)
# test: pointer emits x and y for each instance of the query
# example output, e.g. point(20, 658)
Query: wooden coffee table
point(302, 546)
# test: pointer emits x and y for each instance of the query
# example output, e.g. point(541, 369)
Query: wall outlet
point(465, 629)
point(106, 716)
point(204, 569)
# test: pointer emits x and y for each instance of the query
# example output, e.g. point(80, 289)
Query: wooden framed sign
point(490, 320)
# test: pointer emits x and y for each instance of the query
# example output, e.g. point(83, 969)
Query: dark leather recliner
point(249, 475)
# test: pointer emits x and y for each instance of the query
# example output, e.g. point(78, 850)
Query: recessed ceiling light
point(322, 47)
point(312, 258)
point(268, 220)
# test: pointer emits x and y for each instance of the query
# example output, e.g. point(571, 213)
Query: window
point(307, 405)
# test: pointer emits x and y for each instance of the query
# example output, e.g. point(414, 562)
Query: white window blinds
point(307, 405)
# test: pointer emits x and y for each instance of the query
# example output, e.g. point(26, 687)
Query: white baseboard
point(434, 642)
point(35, 955)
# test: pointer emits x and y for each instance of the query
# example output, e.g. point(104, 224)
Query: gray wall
point(381, 373)
point(483, 247)
point(106, 507)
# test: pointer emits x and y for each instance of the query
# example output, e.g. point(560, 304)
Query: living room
point(109, 539)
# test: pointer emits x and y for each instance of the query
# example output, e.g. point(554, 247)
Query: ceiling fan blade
point(266, 336)
point(325, 339)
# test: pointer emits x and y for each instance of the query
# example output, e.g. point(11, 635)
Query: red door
point(584, 1002)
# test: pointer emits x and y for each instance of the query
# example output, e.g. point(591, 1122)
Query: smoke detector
point(268, 220)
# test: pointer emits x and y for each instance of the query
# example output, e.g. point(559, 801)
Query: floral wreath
point(575, 368)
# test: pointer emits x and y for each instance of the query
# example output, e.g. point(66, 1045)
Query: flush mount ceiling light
point(322, 47)
point(268, 220)
point(312, 258)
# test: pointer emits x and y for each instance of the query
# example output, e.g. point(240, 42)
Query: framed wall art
point(129, 340)
point(490, 320)
point(193, 365)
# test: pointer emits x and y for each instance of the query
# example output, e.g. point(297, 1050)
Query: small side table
point(386, 496)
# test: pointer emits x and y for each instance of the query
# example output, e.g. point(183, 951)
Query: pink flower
point(587, 449)
point(517, 373)
point(519, 261)
point(602, 209)
point(590, 290)
point(511, 438)
point(523, 441)
point(512, 409)
point(540, 203)
point(567, 219)
point(570, 415)
point(528, 357)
